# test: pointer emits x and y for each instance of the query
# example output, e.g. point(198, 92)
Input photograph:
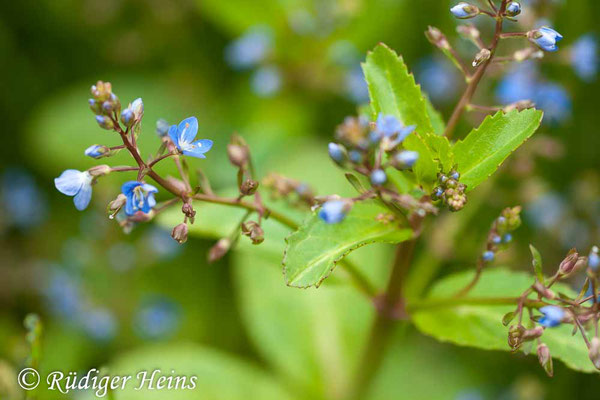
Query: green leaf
point(437, 121)
point(355, 183)
point(481, 153)
point(441, 149)
point(219, 376)
point(480, 326)
point(537, 263)
point(393, 90)
point(313, 251)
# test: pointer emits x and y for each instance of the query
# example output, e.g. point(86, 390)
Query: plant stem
point(390, 310)
point(472, 86)
point(476, 301)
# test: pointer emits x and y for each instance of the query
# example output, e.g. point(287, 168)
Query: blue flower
point(388, 126)
point(266, 81)
point(250, 49)
point(378, 177)
point(545, 38)
point(333, 211)
point(183, 136)
point(554, 100)
point(355, 156)
point(584, 57)
point(488, 256)
point(96, 151)
point(127, 117)
point(77, 184)
point(464, 10)
point(438, 78)
point(100, 324)
point(22, 203)
point(356, 85)
point(406, 159)
point(553, 316)
point(162, 127)
point(336, 152)
point(594, 258)
point(507, 238)
point(157, 318)
point(140, 197)
point(513, 9)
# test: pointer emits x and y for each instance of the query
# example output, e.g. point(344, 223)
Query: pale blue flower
point(333, 211)
point(76, 184)
point(250, 49)
point(464, 10)
point(183, 137)
point(140, 197)
point(584, 57)
point(266, 81)
point(378, 177)
point(553, 316)
point(157, 318)
point(545, 38)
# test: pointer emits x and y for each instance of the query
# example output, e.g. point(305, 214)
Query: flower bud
point(405, 159)
point(481, 57)
point(513, 9)
point(515, 336)
point(180, 233)
point(97, 151)
point(101, 91)
point(118, 203)
point(488, 256)
point(534, 333)
point(188, 210)
point(95, 106)
point(219, 250)
point(437, 38)
point(594, 351)
point(544, 291)
point(378, 177)
point(468, 31)
point(334, 211)
point(128, 117)
point(138, 108)
point(464, 10)
point(162, 128)
point(338, 153)
point(238, 154)
point(100, 170)
point(104, 122)
point(545, 38)
point(568, 264)
point(543, 353)
point(254, 231)
point(248, 187)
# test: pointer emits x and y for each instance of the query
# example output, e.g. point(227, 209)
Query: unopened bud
point(464, 10)
point(141, 216)
point(594, 351)
point(515, 336)
point(178, 184)
point(99, 170)
point(248, 187)
point(117, 204)
point(519, 106)
point(162, 128)
point(128, 117)
point(437, 38)
point(238, 155)
point(544, 291)
point(481, 57)
point(188, 210)
point(534, 333)
point(543, 353)
point(254, 231)
point(101, 91)
point(468, 31)
point(104, 122)
point(180, 233)
point(219, 250)
point(568, 264)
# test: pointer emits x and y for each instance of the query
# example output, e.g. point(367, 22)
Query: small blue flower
point(157, 318)
point(513, 9)
point(266, 81)
point(488, 256)
point(594, 258)
point(378, 177)
point(545, 38)
point(250, 49)
point(127, 116)
point(464, 10)
point(140, 197)
point(356, 85)
point(555, 101)
point(455, 175)
point(96, 151)
point(389, 126)
point(104, 122)
point(406, 158)
point(183, 136)
point(507, 238)
point(496, 239)
point(355, 156)
point(553, 316)
point(100, 324)
point(336, 152)
point(77, 184)
point(333, 211)
point(584, 57)
point(438, 78)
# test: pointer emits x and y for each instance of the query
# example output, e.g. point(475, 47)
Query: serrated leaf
point(537, 264)
point(393, 90)
point(442, 150)
point(480, 325)
point(314, 249)
point(481, 153)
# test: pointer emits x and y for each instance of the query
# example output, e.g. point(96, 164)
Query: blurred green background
point(138, 301)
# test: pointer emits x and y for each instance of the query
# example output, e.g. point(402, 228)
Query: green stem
point(475, 301)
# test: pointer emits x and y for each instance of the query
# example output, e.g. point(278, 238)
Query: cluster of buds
point(517, 335)
point(500, 234)
point(293, 191)
point(451, 191)
point(105, 104)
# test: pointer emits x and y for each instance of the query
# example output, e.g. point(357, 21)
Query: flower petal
point(70, 182)
point(173, 135)
point(187, 130)
point(199, 148)
point(128, 187)
point(83, 197)
point(129, 205)
point(149, 188)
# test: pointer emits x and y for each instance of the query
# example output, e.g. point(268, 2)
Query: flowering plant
point(402, 160)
